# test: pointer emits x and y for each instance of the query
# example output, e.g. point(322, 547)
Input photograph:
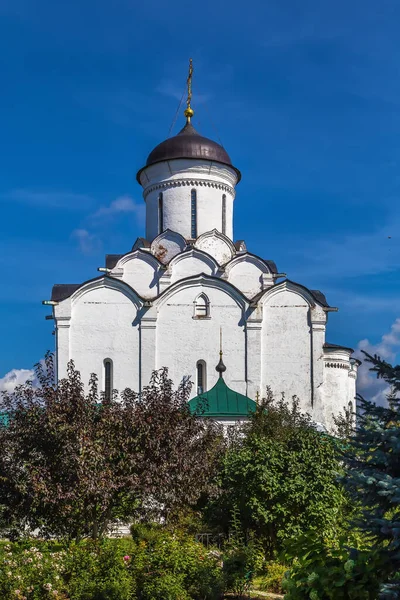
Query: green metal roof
point(221, 401)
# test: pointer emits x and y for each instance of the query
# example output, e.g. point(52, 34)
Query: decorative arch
point(179, 267)
point(249, 273)
point(202, 282)
point(217, 244)
point(250, 258)
point(110, 283)
point(167, 245)
point(288, 286)
point(138, 254)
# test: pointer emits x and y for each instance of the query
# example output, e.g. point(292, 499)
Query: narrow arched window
point(224, 214)
point(108, 378)
point(201, 307)
point(201, 377)
point(193, 214)
point(160, 213)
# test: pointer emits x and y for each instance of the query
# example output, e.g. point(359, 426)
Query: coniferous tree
point(373, 475)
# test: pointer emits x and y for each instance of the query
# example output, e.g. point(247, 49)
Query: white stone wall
point(141, 271)
point(182, 340)
point(246, 273)
point(175, 179)
point(286, 351)
point(102, 325)
point(191, 263)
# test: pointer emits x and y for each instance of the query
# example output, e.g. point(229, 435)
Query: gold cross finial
point(220, 342)
point(258, 396)
point(189, 112)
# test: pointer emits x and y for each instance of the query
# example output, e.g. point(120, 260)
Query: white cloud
point(368, 385)
point(88, 242)
point(15, 377)
point(123, 204)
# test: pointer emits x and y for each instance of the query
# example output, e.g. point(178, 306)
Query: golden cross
point(189, 112)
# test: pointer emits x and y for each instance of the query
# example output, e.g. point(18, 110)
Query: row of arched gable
point(284, 294)
point(145, 272)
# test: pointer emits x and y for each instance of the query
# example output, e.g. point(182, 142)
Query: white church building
point(165, 301)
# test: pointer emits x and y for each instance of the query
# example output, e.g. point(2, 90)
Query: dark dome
point(188, 144)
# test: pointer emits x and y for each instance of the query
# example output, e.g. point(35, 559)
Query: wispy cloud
point(366, 302)
point(123, 204)
point(49, 199)
point(88, 243)
point(355, 254)
point(89, 236)
point(368, 385)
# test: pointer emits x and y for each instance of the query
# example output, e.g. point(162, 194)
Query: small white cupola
point(188, 183)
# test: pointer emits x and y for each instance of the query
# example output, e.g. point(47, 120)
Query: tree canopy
point(280, 474)
point(71, 462)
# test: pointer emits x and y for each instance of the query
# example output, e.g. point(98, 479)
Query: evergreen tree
point(373, 475)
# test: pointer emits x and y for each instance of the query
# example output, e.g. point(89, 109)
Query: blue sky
point(305, 96)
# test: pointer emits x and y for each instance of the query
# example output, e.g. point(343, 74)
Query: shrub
point(167, 566)
point(320, 572)
point(280, 474)
point(99, 571)
point(272, 580)
point(31, 573)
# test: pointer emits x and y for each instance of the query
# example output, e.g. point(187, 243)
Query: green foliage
point(98, 571)
point(33, 572)
point(372, 477)
point(72, 463)
point(271, 580)
point(241, 559)
point(166, 566)
point(281, 474)
point(323, 572)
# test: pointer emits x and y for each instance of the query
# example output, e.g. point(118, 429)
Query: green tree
point(280, 474)
point(72, 463)
point(373, 475)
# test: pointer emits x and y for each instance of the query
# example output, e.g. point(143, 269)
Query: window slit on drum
point(160, 213)
point(108, 384)
point(193, 214)
point(224, 214)
point(201, 377)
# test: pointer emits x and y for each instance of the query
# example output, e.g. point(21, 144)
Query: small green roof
point(221, 401)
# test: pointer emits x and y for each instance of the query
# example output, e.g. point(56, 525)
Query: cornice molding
point(188, 182)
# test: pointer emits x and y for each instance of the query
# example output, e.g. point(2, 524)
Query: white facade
point(164, 303)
